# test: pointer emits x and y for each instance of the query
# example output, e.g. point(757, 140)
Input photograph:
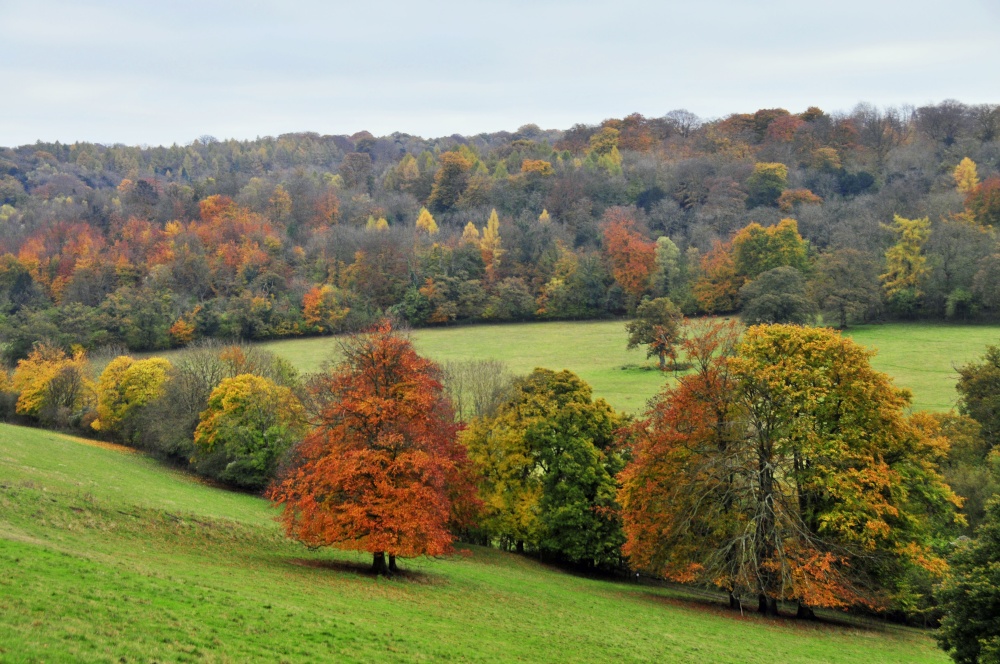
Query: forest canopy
point(880, 211)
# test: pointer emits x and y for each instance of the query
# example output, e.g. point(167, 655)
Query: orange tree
point(786, 470)
point(381, 471)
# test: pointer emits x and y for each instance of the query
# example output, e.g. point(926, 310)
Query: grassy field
point(919, 356)
point(106, 556)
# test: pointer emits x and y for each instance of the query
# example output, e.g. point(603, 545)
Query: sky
point(158, 73)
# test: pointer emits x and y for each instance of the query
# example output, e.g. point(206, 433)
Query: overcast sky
point(141, 72)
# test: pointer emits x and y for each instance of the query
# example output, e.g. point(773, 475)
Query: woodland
point(778, 468)
point(881, 212)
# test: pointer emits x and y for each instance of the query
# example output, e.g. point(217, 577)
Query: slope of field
point(106, 556)
point(919, 356)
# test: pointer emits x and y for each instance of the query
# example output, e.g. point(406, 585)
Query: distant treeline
point(894, 213)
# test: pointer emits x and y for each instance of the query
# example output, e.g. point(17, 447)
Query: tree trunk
point(392, 564)
point(804, 612)
point(663, 361)
point(520, 546)
point(734, 602)
point(767, 606)
point(378, 564)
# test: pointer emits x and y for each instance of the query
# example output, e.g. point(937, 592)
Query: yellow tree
point(52, 387)
point(426, 223)
point(471, 234)
point(966, 177)
point(489, 245)
point(906, 264)
point(544, 218)
point(125, 386)
point(248, 426)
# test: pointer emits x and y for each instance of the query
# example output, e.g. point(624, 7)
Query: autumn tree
point(490, 246)
point(426, 223)
point(450, 181)
point(249, 424)
point(52, 386)
point(658, 326)
point(631, 256)
point(984, 202)
point(125, 387)
point(757, 249)
point(787, 471)
point(718, 284)
point(965, 175)
point(324, 308)
point(546, 463)
point(381, 471)
point(906, 263)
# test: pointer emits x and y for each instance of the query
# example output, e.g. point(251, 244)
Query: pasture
point(919, 356)
point(106, 555)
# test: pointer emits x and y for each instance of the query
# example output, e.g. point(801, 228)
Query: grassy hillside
point(920, 356)
point(107, 556)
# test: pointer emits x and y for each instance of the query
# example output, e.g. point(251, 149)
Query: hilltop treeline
point(893, 210)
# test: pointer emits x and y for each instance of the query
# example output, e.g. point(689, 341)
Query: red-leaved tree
point(382, 471)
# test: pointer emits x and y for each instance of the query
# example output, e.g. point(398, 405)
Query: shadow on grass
point(359, 568)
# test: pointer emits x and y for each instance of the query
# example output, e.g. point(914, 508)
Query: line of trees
point(781, 468)
point(152, 248)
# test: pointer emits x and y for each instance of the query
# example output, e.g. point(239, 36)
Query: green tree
point(846, 287)
point(979, 390)
point(777, 296)
point(658, 325)
point(766, 183)
point(450, 181)
point(757, 249)
point(667, 273)
point(970, 596)
point(547, 462)
point(249, 424)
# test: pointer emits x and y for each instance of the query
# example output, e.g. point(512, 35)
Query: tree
point(979, 391)
point(846, 287)
point(489, 245)
point(984, 202)
point(966, 178)
point(631, 256)
point(971, 594)
point(381, 471)
point(766, 183)
point(125, 387)
point(666, 276)
point(906, 263)
point(718, 284)
point(777, 296)
point(757, 249)
point(657, 324)
point(787, 471)
point(52, 386)
point(546, 463)
point(450, 181)
point(249, 424)
point(426, 223)
point(323, 309)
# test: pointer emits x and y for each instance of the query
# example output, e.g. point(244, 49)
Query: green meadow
point(919, 356)
point(107, 556)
